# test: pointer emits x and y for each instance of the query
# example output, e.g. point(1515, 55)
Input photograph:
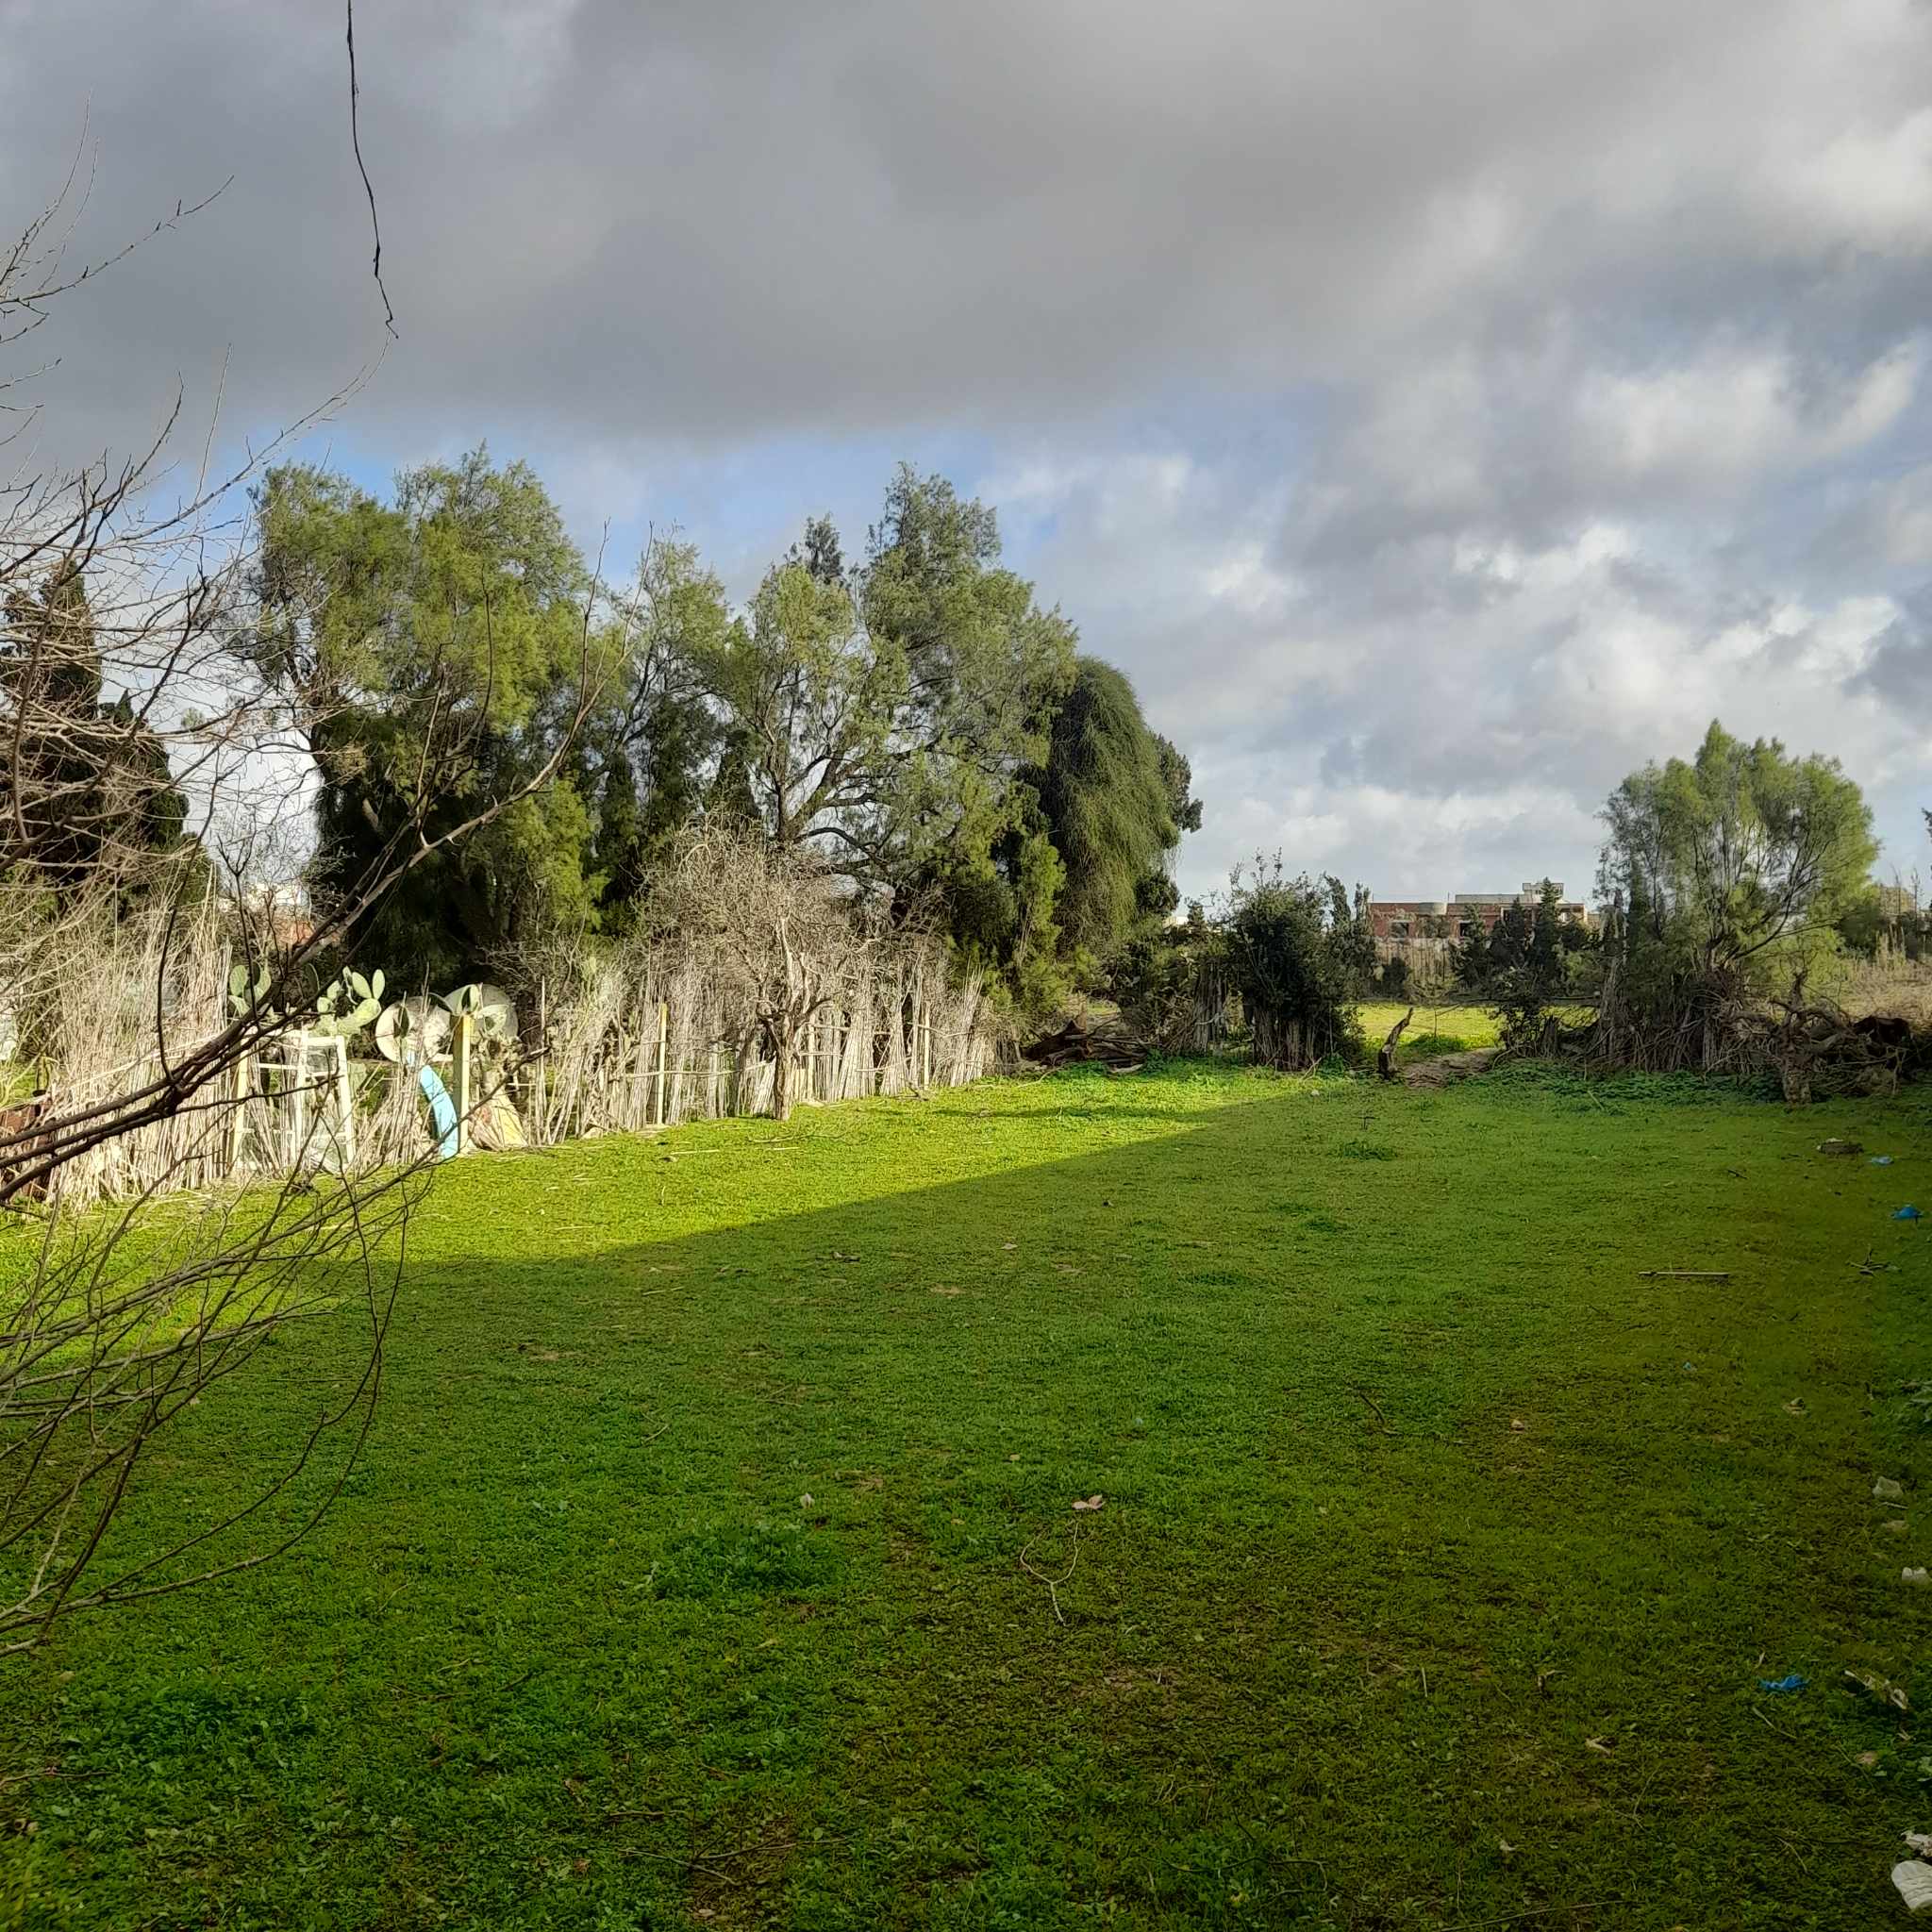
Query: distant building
point(1400, 925)
point(277, 914)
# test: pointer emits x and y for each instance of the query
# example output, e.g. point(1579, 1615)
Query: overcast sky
point(1437, 408)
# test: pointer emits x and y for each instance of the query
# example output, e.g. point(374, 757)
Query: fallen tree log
point(1385, 1060)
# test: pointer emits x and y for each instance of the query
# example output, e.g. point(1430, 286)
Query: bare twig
point(388, 314)
point(1054, 1584)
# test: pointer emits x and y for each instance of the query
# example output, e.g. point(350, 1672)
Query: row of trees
point(1727, 879)
point(913, 718)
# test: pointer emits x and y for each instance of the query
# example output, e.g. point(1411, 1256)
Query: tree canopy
point(1737, 855)
point(458, 622)
point(916, 722)
point(1724, 875)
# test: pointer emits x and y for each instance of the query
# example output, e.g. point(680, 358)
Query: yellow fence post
point(464, 1027)
point(238, 1126)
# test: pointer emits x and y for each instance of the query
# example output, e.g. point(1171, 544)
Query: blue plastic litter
point(1879, 1160)
point(1780, 1685)
point(1907, 1214)
point(442, 1111)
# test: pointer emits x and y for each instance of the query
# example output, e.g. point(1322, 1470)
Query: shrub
point(1293, 964)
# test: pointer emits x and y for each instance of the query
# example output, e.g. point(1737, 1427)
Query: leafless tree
point(777, 936)
point(142, 759)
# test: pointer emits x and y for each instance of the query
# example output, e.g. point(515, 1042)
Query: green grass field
point(1435, 1030)
point(714, 1562)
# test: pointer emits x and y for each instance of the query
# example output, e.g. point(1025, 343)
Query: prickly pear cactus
point(350, 1005)
point(246, 992)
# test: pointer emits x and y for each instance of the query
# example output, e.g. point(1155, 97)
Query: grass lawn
point(1441, 1560)
point(1434, 1031)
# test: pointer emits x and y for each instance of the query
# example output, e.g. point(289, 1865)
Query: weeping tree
point(1291, 955)
point(1114, 798)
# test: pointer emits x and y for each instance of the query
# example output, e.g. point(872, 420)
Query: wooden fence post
point(298, 1126)
point(238, 1126)
point(347, 1100)
point(541, 1107)
point(663, 1053)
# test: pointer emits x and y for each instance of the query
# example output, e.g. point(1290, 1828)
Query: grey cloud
point(1899, 671)
point(705, 220)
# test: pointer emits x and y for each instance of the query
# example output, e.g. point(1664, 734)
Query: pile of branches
point(1820, 1050)
point(1716, 1024)
point(1077, 1044)
point(1712, 1023)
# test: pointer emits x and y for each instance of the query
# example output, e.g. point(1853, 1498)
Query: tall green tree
point(437, 650)
point(87, 798)
point(1727, 873)
point(654, 743)
point(891, 715)
point(984, 668)
point(805, 706)
point(1743, 853)
point(1114, 797)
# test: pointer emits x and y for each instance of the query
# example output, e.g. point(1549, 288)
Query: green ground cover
point(1442, 1558)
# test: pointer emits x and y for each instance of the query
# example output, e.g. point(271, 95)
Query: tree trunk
point(782, 1074)
point(1385, 1060)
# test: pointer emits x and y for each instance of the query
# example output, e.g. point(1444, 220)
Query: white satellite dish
point(494, 1011)
point(413, 1030)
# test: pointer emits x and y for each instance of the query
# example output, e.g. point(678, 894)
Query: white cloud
point(1868, 187)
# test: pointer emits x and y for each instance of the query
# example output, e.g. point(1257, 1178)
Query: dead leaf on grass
point(1599, 1744)
point(1089, 1502)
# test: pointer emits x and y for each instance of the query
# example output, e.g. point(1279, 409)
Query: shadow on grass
point(735, 1570)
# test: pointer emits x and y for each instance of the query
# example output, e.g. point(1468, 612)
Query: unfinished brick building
point(1450, 919)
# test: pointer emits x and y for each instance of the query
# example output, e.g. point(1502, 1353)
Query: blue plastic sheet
point(443, 1110)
